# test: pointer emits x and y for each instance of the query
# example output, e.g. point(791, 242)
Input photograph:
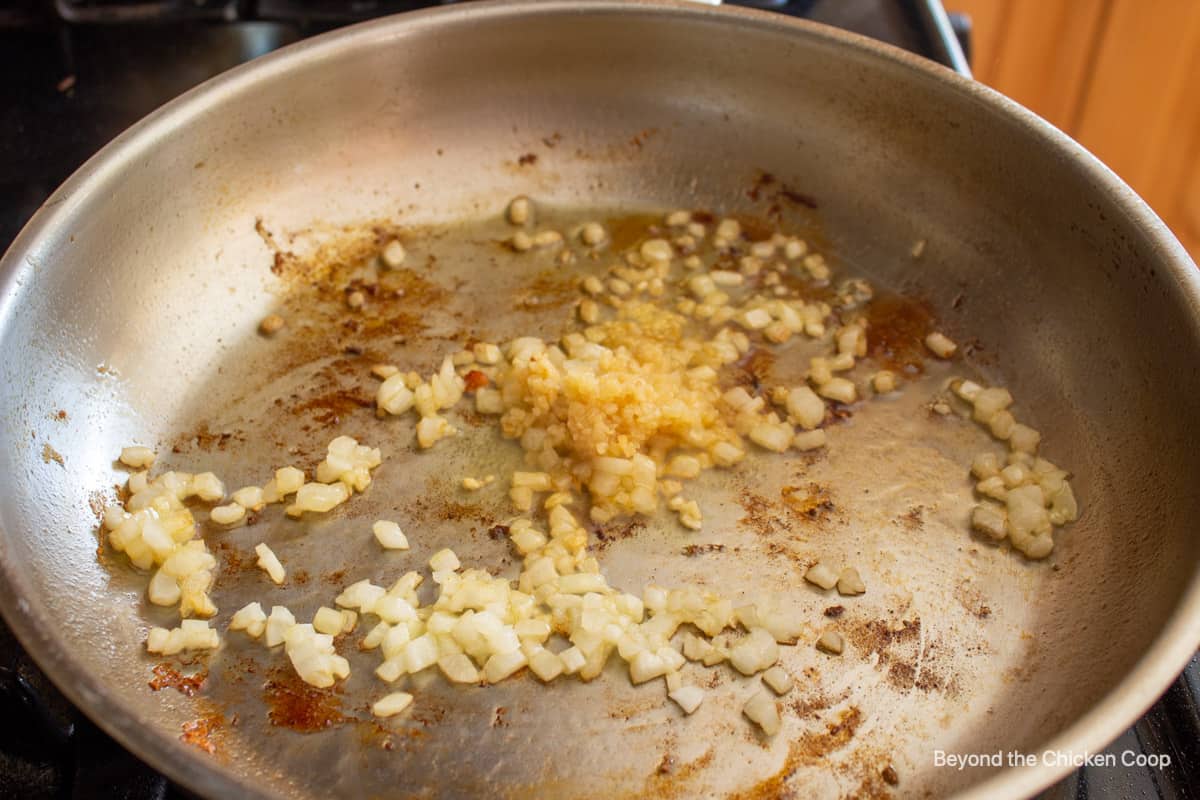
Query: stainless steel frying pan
point(130, 303)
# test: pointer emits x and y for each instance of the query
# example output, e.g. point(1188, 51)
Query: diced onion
point(389, 535)
point(616, 414)
point(250, 618)
point(328, 620)
point(821, 575)
point(501, 665)
point(687, 698)
point(458, 668)
point(279, 623)
point(227, 515)
point(393, 254)
point(810, 440)
point(940, 345)
point(839, 389)
point(137, 457)
point(392, 704)
point(779, 679)
point(444, 561)
point(831, 642)
point(269, 562)
point(754, 653)
point(850, 582)
point(762, 710)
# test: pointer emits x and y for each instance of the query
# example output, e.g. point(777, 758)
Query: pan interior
point(136, 315)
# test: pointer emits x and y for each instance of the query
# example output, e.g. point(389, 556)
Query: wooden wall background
point(1121, 76)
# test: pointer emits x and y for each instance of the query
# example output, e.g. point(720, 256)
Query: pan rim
point(1166, 657)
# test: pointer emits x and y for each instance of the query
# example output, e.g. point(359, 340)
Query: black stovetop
point(75, 73)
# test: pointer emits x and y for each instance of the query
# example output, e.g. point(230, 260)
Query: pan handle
point(943, 39)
